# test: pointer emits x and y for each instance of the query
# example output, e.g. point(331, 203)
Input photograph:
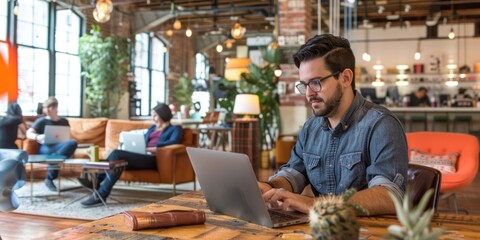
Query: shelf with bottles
point(423, 78)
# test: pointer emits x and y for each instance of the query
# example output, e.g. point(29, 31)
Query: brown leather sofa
point(173, 164)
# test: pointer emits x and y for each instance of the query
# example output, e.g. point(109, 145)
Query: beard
point(330, 104)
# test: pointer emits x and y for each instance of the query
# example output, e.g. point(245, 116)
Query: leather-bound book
point(144, 220)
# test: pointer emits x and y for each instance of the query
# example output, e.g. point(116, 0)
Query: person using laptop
point(160, 134)
point(348, 143)
point(37, 133)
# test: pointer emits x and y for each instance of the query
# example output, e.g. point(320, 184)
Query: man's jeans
point(66, 149)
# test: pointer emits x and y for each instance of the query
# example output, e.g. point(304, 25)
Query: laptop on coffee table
point(230, 187)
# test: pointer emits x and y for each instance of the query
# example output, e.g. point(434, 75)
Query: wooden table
point(224, 227)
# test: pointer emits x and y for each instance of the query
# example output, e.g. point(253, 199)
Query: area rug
point(67, 203)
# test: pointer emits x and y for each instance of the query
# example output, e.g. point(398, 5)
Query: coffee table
point(54, 161)
point(92, 168)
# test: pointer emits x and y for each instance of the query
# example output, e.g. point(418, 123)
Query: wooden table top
point(223, 227)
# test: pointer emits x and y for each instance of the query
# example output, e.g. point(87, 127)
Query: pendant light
point(238, 31)
point(451, 34)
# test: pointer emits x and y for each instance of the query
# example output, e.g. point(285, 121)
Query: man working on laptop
point(36, 132)
point(160, 134)
point(348, 143)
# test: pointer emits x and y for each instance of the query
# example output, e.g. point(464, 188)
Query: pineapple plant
point(332, 217)
point(415, 220)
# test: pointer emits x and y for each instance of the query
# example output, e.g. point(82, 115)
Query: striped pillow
point(446, 163)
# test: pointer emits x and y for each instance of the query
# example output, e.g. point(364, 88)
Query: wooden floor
point(24, 226)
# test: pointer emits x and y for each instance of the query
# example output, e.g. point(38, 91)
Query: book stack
point(105, 165)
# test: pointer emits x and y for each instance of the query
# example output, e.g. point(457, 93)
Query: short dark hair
point(423, 89)
point(336, 51)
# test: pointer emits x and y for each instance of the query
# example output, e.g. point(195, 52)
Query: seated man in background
point(161, 133)
point(36, 132)
point(419, 98)
point(348, 143)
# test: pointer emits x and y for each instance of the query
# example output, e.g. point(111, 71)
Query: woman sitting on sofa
point(160, 134)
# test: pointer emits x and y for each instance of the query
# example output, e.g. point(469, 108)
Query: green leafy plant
point(415, 220)
point(261, 81)
point(106, 62)
point(183, 92)
point(332, 217)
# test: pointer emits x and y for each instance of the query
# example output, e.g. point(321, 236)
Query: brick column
point(295, 26)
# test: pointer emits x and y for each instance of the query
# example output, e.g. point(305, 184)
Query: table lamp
point(247, 104)
point(235, 67)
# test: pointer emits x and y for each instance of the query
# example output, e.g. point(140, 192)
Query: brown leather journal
point(144, 220)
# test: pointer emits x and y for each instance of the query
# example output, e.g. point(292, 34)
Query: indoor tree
point(105, 63)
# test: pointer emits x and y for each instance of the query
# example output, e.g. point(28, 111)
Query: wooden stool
point(462, 119)
point(418, 119)
point(442, 119)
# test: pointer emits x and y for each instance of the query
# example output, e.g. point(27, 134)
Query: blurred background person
point(9, 126)
point(419, 98)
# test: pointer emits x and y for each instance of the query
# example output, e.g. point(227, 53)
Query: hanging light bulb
point(277, 72)
point(169, 32)
point(238, 31)
point(16, 10)
point(366, 57)
point(104, 6)
point(451, 34)
point(100, 17)
point(417, 56)
point(188, 32)
point(219, 48)
point(177, 25)
point(228, 44)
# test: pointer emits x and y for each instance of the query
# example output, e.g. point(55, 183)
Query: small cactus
point(414, 220)
point(332, 217)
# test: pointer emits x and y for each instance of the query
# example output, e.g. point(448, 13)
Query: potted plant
point(183, 92)
point(105, 63)
point(262, 81)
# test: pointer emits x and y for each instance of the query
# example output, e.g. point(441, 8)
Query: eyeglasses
point(314, 84)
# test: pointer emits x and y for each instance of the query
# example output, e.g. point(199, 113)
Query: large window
point(201, 93)
point(67, 71)
point(3, 19)
point(33, 59)
point(150, 75)
point(40, 75)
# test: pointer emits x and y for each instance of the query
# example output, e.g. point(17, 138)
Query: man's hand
point(264, 187)
point(280, 198)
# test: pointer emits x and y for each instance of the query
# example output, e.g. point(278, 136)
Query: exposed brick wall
point(294, 19)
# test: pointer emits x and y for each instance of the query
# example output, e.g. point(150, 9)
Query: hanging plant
point(105, 63)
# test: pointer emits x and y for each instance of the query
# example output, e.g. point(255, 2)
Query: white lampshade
point(235, 67)
point(247, 104)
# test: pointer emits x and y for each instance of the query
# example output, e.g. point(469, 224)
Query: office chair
point(419, 180)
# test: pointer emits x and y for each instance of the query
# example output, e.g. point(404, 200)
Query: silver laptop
point(56, 134)
point(134, 142)
point(230, 187)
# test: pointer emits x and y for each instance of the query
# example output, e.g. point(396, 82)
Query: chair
point(420, 179)
point(283, 147)
point(210, 119)
point(457, 120)
point(12, 177)
point(440, 119)
point(446, 142)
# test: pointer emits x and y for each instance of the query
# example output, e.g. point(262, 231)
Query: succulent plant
point(332, 217)
point(415, 220)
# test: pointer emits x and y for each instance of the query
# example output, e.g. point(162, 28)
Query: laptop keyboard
point(278, 216)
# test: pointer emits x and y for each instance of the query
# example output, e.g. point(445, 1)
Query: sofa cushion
point(88, 130)
point(446, 163)
point(115, 127)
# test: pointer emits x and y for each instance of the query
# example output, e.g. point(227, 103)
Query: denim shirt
point(367, 148)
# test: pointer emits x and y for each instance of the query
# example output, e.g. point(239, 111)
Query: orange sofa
point(173, 164)
point(446, 142)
